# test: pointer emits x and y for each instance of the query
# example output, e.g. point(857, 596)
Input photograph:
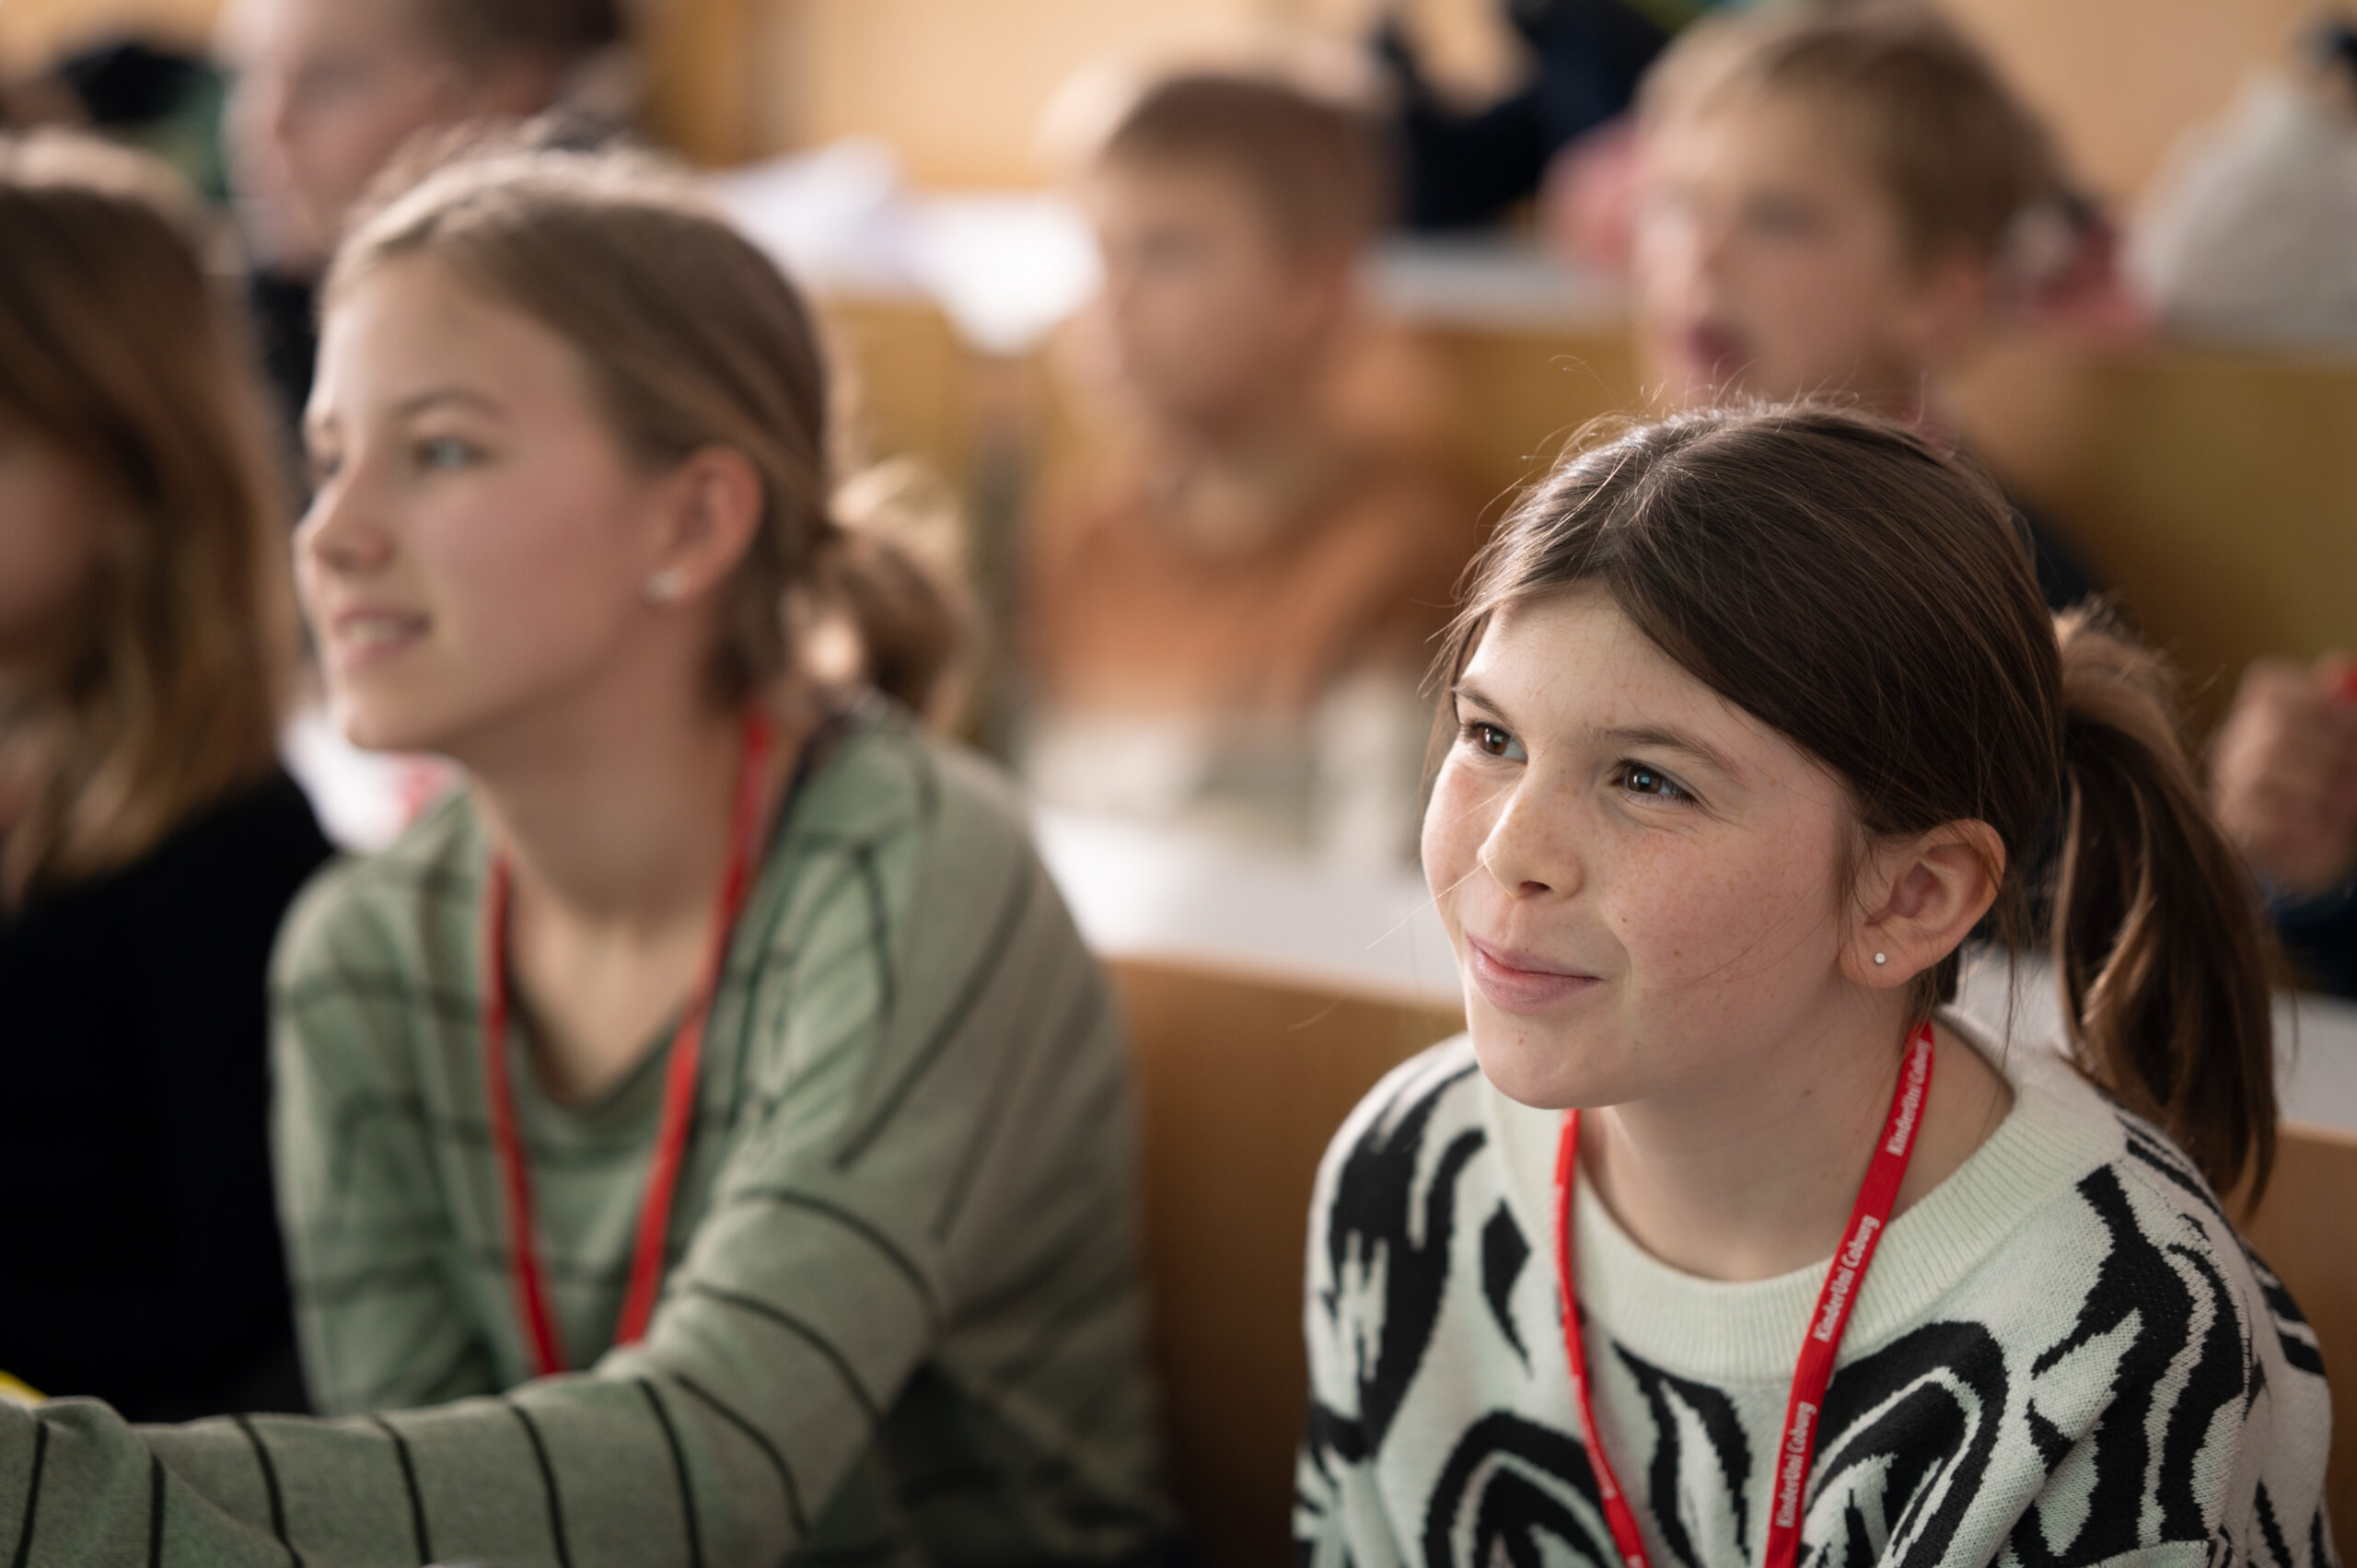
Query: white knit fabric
point(2063, 1356)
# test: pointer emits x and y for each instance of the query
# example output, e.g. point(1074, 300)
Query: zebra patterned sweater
point(2063, 1357)
point(903, 1323)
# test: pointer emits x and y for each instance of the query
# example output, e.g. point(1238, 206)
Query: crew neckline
point(1724, 1332)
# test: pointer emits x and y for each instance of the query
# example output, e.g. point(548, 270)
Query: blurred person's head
point(571, 444)
point(1828, 203)
point(1231, 210)
point(327, 90)
point(144, 623)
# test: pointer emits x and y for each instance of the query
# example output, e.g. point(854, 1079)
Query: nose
point(1532, 849)
point(338, 535)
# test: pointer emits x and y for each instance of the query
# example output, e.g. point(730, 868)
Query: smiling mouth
point(359, 640)
point(1516, 982)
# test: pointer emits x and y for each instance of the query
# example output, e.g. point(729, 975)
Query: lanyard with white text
point(679, 1087)
point(1843, 1280)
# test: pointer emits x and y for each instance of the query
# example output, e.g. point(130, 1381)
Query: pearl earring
point(1882, 957)
point(665, 586)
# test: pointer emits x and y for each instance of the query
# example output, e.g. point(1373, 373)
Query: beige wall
point(958, 84)
point(33, 30)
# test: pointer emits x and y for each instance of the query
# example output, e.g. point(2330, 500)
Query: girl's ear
point(709, 508)
point(1918, 899)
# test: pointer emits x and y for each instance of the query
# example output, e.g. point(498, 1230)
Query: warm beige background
point(958, 84)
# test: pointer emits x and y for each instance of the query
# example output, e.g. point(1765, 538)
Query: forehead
point(1177, 187)
point(1573, 662)
point(411, 324)
point(1750, 135)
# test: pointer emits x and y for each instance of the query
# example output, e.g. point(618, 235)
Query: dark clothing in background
point(141, 1248)
point(2321, 936)
point(1463, 169)
point(2062, 576)
point(287, 332)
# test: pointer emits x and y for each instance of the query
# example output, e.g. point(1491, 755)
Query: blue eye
point(444, 452)
point(1494, 740)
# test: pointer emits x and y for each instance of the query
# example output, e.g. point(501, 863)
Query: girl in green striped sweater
point(704, 1139)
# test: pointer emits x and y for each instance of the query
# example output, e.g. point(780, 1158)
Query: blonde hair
point(116, 349)
point(1964, 161)
point(692, 338)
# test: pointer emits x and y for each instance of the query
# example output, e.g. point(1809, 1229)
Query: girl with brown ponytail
point(713, 1099)
point(1721, 1238)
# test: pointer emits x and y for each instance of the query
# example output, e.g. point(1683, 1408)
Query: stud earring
point(1882, 957)
point(665, 586)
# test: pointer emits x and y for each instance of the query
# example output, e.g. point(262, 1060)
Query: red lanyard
point(1843, 1280)
point(679, 1088)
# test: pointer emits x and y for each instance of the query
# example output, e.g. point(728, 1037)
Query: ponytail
point(2157, 941)
point(887, 568)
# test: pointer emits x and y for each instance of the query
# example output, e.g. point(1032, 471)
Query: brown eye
point(1492, 740)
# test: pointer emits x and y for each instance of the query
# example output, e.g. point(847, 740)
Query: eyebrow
point(1656, 737)
point(432, 397)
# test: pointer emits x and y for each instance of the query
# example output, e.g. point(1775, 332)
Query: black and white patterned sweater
point(2063, 1356)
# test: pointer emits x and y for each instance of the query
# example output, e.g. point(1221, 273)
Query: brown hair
point(1961, 157)
point(1314, 166)
point(1868, 596)
point(692, 338)
point(116, 350)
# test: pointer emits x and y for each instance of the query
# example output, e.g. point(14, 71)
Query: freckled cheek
point(1688, 913)
point(1456, 823)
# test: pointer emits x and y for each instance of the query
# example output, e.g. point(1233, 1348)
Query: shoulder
point(363, 923)
point(908, 846)
point(1417, 1129)
point(2135, 1314)
point(918, 808)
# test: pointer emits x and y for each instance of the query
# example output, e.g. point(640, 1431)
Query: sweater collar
point(2058, 1129)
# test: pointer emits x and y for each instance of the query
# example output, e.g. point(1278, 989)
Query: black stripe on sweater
point(956, 1018)
point(270, 1485)
point(879, 928)
point(787, 1198)
point(408, 1484)
point(769, 1450)
point(801, 1330)
point(679, 1471)
point(32, 1494)
point(548, 1480)
point(154, 1512)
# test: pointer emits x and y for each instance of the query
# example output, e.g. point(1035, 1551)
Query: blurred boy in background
point(327, 90)
point(1230, 588)
point(2284, 778)
point(1840, 201)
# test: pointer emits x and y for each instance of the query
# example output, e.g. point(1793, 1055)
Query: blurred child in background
point(1229, 597)
point(2284, 775)
point(149, 842)
point(1840, 201)
point(327, 91)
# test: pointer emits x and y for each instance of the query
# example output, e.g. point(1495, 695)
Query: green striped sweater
point(903, 1323)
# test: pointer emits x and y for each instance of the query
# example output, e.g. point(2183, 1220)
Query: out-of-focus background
point(2224, 543)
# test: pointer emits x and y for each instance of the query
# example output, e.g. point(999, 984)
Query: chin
point(1531, 1065)
point(378, 727)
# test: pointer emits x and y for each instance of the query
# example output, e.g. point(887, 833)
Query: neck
point(615, 815)
point(1753, 1174)
point(1236, 481)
